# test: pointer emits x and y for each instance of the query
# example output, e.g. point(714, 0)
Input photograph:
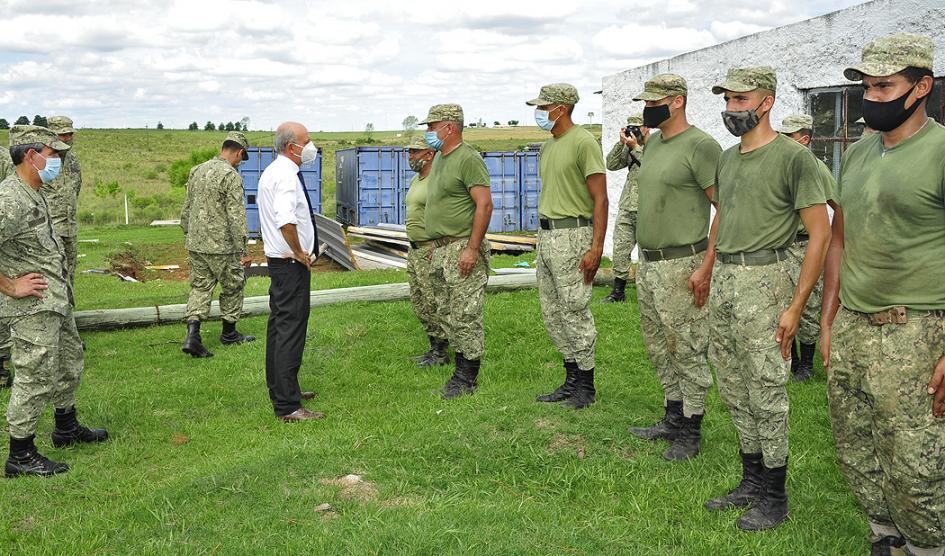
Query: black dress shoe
point(302, 414)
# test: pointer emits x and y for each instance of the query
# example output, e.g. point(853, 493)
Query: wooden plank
point(400, 254)
point(523, 240)
point(379, 258)
point(370, 237)
point(377, 232)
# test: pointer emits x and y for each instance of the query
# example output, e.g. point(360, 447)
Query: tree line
point(24, 120)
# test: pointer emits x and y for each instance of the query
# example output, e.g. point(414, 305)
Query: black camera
point(635, 131)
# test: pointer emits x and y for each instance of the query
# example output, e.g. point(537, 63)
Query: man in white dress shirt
point(289, 236)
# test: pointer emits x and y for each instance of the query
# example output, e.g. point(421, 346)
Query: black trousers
point(289, 288)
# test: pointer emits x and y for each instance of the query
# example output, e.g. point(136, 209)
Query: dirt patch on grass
point(127, 262)
point(563, 443)
point(545, 424)
point(353, 487)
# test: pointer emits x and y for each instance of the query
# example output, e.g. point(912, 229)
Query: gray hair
point(285, 136)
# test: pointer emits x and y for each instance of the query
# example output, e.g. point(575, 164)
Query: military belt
point(564, 223)
point(754, 258)
point(801, 238)
point(670, 253)
point(898, 315)
point(444, 241)
point(421, 244)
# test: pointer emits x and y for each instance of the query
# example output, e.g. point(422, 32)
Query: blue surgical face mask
point(51, 170)
point(541, 118)
point(433, 140)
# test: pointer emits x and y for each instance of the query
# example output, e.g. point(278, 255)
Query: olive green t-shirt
point(564, 164)
point(674, 209)
point(416, 201)
point(830, 188)
point(450, 208)
point(760, 193)
point(894, 223)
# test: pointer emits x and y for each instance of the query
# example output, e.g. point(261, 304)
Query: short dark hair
point(18, 152)
point(806, 131)
point(914, 74)
point(229, 145)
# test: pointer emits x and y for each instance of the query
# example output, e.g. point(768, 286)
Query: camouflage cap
point(662, 86)
point(892, 54)
point(60, 125)
point(636, 119)
point(556, 93)
point(34, 134)
point(418, 144)
point(444, 113)
point(742, 80)
point(238, 137)
point(796, 122)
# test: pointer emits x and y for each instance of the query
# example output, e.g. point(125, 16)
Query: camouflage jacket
point(62, 194)
point(214, 217)
point(619, 158)
point(29, 244)
point(6, 164)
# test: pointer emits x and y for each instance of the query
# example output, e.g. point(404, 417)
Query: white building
point(809, 57)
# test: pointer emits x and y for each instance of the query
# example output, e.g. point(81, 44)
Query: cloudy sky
point(336, 65)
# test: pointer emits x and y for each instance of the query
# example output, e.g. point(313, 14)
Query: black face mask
point(887, 116)
point(653, 116)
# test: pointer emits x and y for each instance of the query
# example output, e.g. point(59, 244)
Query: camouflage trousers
point(675, 331)
point(625, 239)
point(890, 448)
point(462, 299)
point(71, 247)
point(809, 330)
point(420, 278)
point(565, 298)
point(745, 307)
point(206, 271)
point(48, 358)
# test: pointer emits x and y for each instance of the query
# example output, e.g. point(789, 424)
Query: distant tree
point(409, 123)
point(22, 120)
point(193, 126)
point(245, 123)
point(496, 123)
point(160, 125)
point(369, 130)
point(209, 126)
point(4, 124)
point(513, 123)
point(39, 120)
point(221, 126)
point(229, 126)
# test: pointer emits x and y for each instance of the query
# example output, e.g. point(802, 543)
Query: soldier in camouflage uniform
point(800, 127)
point(572, 213)
point(764, 185)
point(626, 153)
point(6, 379)
point(37, 307)
point(676, 187)
point(458, 209)
point(214, 223)
point(6, 164)
point(63, 194)
point(883, 327)
point(419, 257)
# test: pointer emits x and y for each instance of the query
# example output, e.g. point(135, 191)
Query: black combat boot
point(667, 427)
point(882, 546)
point(747, 491)
point(771, 508)
point(564, 391)
point(688, 440)
point(26, 460)
point(795, 359)
point(805, 368)
point(418, 358)
point(618, 293)
point(584, 393)
point(464, 379)
point(438, 354)
point(69, 431)
point(232, 336)
point(6, 377)
point(192, 343)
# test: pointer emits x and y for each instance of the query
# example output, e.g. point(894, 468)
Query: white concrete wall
point(809, 54)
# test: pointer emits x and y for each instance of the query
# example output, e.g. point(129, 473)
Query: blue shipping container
point(367, 185)
point(503, 183)
point(529, 189)
point(252, 169)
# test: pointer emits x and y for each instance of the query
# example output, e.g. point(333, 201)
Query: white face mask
point(309, 152)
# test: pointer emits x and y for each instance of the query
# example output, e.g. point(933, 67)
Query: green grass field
point(197, 463)
point(138, 160)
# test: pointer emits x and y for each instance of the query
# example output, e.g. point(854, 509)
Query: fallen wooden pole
point(110, 319)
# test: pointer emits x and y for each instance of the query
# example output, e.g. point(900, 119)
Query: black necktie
point(311, 213)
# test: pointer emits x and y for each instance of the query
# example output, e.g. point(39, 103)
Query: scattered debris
point(522, 264)
point(333, 235)
point(95, 271)
point(165, 222)
point(251, 242)
point(323, 508)
point(163, 267)
point(127, 265)
point(88, 241)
